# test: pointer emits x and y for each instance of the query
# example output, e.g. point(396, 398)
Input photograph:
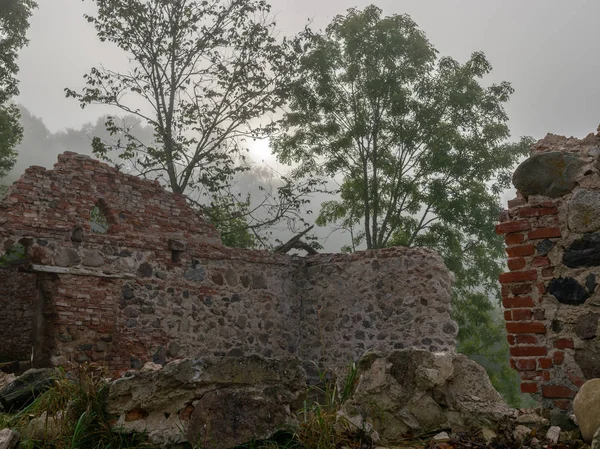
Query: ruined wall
point(550, 294)
point(160, 285)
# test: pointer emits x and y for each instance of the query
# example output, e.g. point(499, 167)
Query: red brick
point(526, 328)
point(517, 302)
point(546, 375)
point(557, 391)
point(516, 263)
point(540, 262)
point(521, 314)
point(545, 362)
point(510, 339)
point(528, 351)
point(564, 343)
point(514, 239)
point(529, 387)
point(530, 375)
point(526, 212)
point(521, 289)
point(558, 357)
point(513, 364)
point(544, 233)
point(526, 364)
point(512, 226)
point(507, 315)
point(548, 272)
point(520, 251)
point(524, 339)
point(518, 276)
point(563, 404)
point(578, 381)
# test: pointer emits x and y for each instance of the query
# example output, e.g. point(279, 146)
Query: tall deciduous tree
point(205, 75)
point(417, 143)
point(14, 22)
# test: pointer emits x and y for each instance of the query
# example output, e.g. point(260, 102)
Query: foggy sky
point(547, 49)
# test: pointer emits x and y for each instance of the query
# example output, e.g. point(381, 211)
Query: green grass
point(75, 416)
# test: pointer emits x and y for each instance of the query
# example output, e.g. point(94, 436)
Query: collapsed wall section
point(126, 272)
point(550, 294)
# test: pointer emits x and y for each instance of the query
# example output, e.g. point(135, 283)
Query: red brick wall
point(550, 304)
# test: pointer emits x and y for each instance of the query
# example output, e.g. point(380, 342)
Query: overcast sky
point(548, 49)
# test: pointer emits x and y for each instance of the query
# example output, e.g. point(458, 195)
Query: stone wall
point(550, 294)
point(159, 284)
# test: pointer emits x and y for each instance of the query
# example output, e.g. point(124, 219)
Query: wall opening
point(98, 221)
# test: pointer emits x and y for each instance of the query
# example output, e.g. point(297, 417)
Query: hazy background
point(548, 49)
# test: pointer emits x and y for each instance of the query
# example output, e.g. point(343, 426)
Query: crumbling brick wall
point(160, 285)
point(550, 294)
point(18, 293)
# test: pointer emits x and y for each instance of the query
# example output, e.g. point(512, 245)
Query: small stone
point(145, 270)
point(8, 439)
point(551, 174)
point(92, 259)
point(131, 311)
point(584, 211)
point(441, 437)
point(553, 434)
point(521, 432)
point(67, 257)
point(568, 291)
point(585, 406)
point(197, 274)
point(258, 281)
point(150, 367)
point(173, 349)
point(544, 247)
point(583, 252)
point(586, 326)
point(488, 435)
point(77, 234)
point(231, 277)
point(590, 282)
point(160, 356)
point(596, 440)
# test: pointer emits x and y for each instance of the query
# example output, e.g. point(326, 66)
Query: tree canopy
point(14, 22)
point(207, 77)
point(418, 144)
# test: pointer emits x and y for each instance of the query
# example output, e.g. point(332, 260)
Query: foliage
point(229, 219)
point(417, 143)
point(15, 253)
point(14, 21)
point(77, 402)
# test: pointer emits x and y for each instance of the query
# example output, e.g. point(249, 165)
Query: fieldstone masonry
point(551, 295)
point(159, 285)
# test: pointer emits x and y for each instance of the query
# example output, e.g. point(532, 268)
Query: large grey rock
point(24, 389)
point(66, 257)
point(224, 401)
point(586, 407)
point(8, 439)
point(550, 174)
point(418, 391)
point(583, 252)
point(584, 211)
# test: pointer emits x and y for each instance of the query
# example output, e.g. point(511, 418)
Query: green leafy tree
point(418, 145)
point(206, 76)
point(14, 21)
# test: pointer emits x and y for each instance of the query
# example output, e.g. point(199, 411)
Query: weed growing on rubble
point(71, 415)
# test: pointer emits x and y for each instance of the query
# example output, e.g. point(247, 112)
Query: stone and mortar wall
point(160, 285)
point(550, 294)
